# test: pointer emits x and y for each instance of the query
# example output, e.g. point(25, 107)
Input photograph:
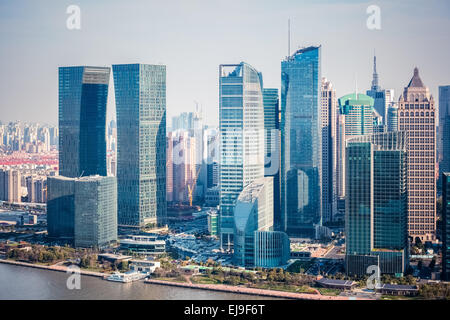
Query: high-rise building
point(445, 234)
point(355, 118)
point(392, 119)
point(83, 92)
point(329, 151)
point(241, 120)
point(95, 211)
point(417, 117)
point(376, 203)
point(183, 165)
point(301, 142)
point(272, 150)
point(169, 167)
point(255, 242)
point(140, 91)
point(444, 129)
point(10, 185)
point(382, 98)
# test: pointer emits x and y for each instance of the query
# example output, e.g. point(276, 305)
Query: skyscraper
point(381, 97)
point(329, 151)
point(444, 129)
point(241, 125)
point(445, 234)
point(355, 119)
point(83, 93)
point(376, 203)
point(417, 117)
point(272, 151)
point(140, 91)
point(301, 142)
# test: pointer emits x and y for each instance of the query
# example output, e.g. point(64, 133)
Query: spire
point(375, 86)
point(415, 80)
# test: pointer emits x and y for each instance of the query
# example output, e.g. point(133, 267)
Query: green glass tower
point(376, 203)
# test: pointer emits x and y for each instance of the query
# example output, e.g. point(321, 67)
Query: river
point(17, 282)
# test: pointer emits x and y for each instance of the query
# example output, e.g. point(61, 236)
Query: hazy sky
point(192, 37)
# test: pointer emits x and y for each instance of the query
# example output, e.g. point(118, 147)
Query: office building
point(241, 120)
point(329, 152)
point(83, 92)
point(417, 117)
point(61, 208)
point(301, 142)
point(376, 204)
point(255, 242)
point(272, 150)
point(444, 129)
point(445, 234)
point(382, 98)
point(140, 91)
point(392, 119)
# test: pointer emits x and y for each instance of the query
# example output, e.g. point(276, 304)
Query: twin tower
point(140, 96)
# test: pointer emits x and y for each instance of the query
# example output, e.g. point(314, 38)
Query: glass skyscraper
point(444, 129)
point(272, 151)
point(241, 122)
point(376, 203)
point(301, 142)
point(83, 93)
point(140, 91)
point(445, 234)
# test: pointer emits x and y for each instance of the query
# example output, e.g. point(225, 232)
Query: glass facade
point(255, 242)
point(445, 234)
point(83, 93)
point(376, 203)
point(272, 148)
point(61, 207)
point(140, 92)
point(95, 211)
point(444, 129)
point(301, 142)
point(241, 121)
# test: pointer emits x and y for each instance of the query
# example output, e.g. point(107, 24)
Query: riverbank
point(247, 291)
point(53, 268)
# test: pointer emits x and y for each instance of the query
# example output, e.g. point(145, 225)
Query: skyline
point(36, 42)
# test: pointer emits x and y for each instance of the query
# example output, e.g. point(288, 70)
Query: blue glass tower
point(140, 92)
point(83, 93)
point(301, 142)
point(241, 122)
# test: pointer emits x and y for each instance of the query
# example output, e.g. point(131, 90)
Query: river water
point(17, 282)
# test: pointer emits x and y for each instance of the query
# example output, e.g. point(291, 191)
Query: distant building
point(392, 120)
point(255, 242)
point(355, 119)
point(272, 147)
point(212, 198)
point(417, 117)
point(140, 91)
point(445, 233)
point(382, 98)
point(213, 223)
point(301, 142)
point(444, 129)
point(376, 204)
point(329, 151)
point(95, 211)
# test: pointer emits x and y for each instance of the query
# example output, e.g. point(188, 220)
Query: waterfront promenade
point(250, 291)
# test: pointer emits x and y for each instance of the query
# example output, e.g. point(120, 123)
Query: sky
point(193, 37)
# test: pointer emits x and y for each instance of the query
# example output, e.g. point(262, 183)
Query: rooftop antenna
point(289, 37)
